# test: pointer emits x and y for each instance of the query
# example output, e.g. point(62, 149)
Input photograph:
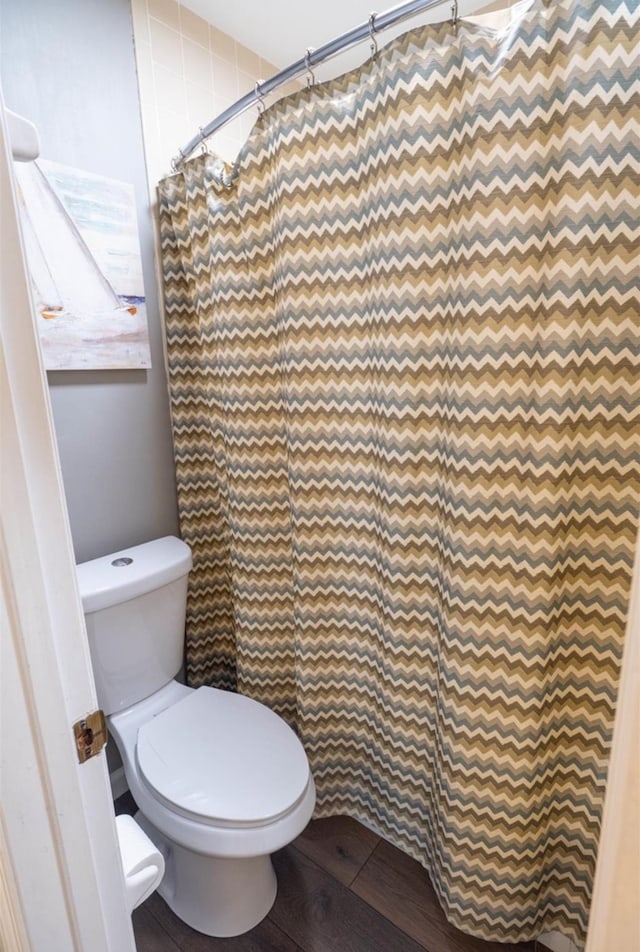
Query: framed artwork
point(83, 253)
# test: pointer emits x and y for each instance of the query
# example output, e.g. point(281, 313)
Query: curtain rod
point(375, 24)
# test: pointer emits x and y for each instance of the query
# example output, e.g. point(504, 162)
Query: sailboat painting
point(83, 252)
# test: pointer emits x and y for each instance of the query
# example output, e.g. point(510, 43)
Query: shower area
point(404, 363)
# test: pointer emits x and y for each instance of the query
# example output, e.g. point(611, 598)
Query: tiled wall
point(189, 72)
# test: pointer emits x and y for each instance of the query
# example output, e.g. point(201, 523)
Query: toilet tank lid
point(123, 575)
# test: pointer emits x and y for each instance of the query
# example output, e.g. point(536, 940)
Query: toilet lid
point(222, 757)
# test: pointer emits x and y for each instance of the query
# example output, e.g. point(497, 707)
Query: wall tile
point(194, 27)
point(166, 10)
point(200, 105)
point(247, 122)
point(170, 90)
point(152, 145)
point(166, 46)
point(175, 130)
point(197, 63)
point(496, 5)
point(227, 147)
point(144, 65)
point(247, 60)
point(236, 130)
point(246, 82)
point(220, 103)
point(222, 45)
point(140, 18)
point(201, 87)
point(189, 72)
point(225, 80)
point(266, 69)
point(293, 86)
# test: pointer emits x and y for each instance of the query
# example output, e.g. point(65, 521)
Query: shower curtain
point(404, 354)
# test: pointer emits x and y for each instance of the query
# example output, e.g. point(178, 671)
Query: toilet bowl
point(221, 781)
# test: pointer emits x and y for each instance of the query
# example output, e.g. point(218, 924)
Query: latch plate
point(90, 735)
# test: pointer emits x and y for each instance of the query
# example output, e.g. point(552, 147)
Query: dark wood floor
point(340, 889)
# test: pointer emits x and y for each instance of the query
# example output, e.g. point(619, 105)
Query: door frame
point(62, 874)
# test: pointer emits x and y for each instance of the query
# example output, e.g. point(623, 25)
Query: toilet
point(221, 781)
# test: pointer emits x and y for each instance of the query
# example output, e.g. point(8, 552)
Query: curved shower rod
point(375, 24)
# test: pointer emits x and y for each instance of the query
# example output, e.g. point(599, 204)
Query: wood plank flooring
point(340, 889)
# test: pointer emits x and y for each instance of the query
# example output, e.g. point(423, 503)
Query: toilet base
point(218, 896)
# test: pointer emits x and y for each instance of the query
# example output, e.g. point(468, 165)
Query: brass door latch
point(90, 735)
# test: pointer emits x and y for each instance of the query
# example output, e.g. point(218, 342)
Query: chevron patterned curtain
point(404, 354)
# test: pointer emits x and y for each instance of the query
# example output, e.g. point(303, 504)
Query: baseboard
point(119, 783)
point(556, 942)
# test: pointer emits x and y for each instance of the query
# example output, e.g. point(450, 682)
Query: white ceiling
point(281, 30)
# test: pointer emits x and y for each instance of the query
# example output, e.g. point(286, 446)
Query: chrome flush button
point(122, 561)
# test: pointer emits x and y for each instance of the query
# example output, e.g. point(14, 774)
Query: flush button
point(123, 561)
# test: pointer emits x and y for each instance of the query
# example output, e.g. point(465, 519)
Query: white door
point(61, 884)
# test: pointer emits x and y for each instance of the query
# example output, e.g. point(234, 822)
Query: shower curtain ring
point(311, 80)
point(203, 141)
point(372, 36)
point(177, 161)
point(454, 14)
point(260, 98)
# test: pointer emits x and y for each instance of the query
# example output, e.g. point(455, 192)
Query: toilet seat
point(223, 759)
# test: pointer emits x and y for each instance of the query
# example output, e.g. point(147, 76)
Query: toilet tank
point(134, 605)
